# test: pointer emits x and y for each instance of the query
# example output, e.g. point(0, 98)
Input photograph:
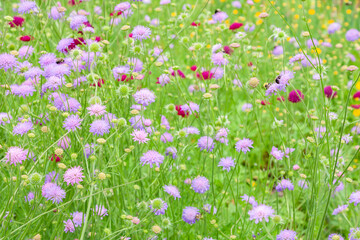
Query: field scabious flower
point(172, 190)
point(53, 192)
point(286, 235)
point(352, 35)
point(218, 59)
point(227, 163)
point(158, 206)
point(172, 151)
point(277, 154)
point(340, 209)
point(249, 199)
point(166, 137)
point(144, 97)
point(97, 110)
point(27, 7)
point(206, 143)
point(140, 136)
point(200, 184)
point(260, 213)
point(284, 184)
point(69, 226)
point(101, 211)
point(355, 198)
point(244, 145)
point(15, 155)
point(354, 234)
point(73, 175)
point(141, 33)
point(78, 218)
point(7, 61)
point(190, 215)
point(151, 158)
point(72, 123)
point(100, 127)
point(335, 236)
point(23, 128)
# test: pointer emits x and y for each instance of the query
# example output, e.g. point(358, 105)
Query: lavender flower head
point(284, 184)
point(144, 97)
point(260, 213)
point(172, 190)
point(158, 206)
point(206, 143)
point(355, 198)
point(190, 215)
point(227, 163)
point(151, 158)
point(244, 145)
point(286, 235)
point(200, 184)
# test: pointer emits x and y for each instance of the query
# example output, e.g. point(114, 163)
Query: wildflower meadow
point(179, 119)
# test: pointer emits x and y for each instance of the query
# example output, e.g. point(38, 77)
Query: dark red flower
point(193, 68)
point(356, 106)
point(181, 112)
point(250, 64)
point(55, 157)
point(329, 93)
point(195, 24)
point(264, 102)
point(18, 21)
point(98, 39)
point(235, 26)
point(26, 38)
point(179, 72)
point(205, 75)
point(99, 83)
point(280, 99)
point(228, 50)
point(295, 96)
point(117, 13)
point(125, 78)
point(130, 35)
point(356, 95)
point(74, 2)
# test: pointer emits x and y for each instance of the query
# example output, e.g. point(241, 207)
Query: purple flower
point(69, 226)
point(278, 50)
point(72, 123)
point(286, 235)
point(354, 234)
point(340, 209)
point(151, 158)
point(99, 127)
point(190, 108)
point(29, 197)
point(78, 218)
point(284, 184)
point(7, 61)
point(355, 198)
point(190, 215)
point(135, 64)
point(171, 151)
point(5, 118)
point(73, 175)
point(25, 51)
point(200, 184)
point(141, 33)
point(244, 145)
point(140, 136)
point(163, 79)
point(144, 97)
point(207, 208)
point(219, 60)
point(277, 154)
point(97, 110)
point(47, 59)
point(158, 206)
point(352, 35)
point(246, 107)
point(226, 163)
point(101, 211)
point(77, 21)
point(51, 177)
point(15, 155)
point(206, 143)
point(166, 137)
point(55, 13)
point(250, 200)
point(53, 192)
point(27, 7)
point(302, 184)
point(274, 89)
point(172, 190)
point(219, 16)
point(335, 236)
point(334, 27)
point(221, 135)
point(22, 128)
point(260, 213)
point(64, 44)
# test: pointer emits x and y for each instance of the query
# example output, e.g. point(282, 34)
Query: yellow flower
point(348, 11)
point(235, 12)
point(356, 112)
point(311, 11)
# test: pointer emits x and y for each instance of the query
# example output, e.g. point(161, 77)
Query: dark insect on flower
point(60, 60)
point(277, 79)
point(267, 85)
point(217, 10)
point(198, 216)
point(349, 3)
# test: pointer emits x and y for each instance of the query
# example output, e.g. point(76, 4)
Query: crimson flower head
point(193, 68)
point(55, 157)
point(99, 83)
point(205, 75)
point(295, 96)
point(356, 95)
point(74, 2)
point(264, 102)
point(180, 112)
point(195, 24)
point(235, 26)
point(18, 21)
point(329, 92)
point(228, 50)
point(26, 38)
point(179, 72)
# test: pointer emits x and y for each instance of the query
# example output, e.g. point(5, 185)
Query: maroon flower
point(99, 83)
point(193, 68)
point(205, 75)
point(55, 157)
point(280, 99)
point(18, 21)
point(356, 95)
point(195, 24)
point(295, 96)
point(264, 102)
point(228, 50)
point(26, 38)
point(235, 26)
point(329, 93)
point(356, 106)
point(181, 112)
point(74, 2)
point(180, 73)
